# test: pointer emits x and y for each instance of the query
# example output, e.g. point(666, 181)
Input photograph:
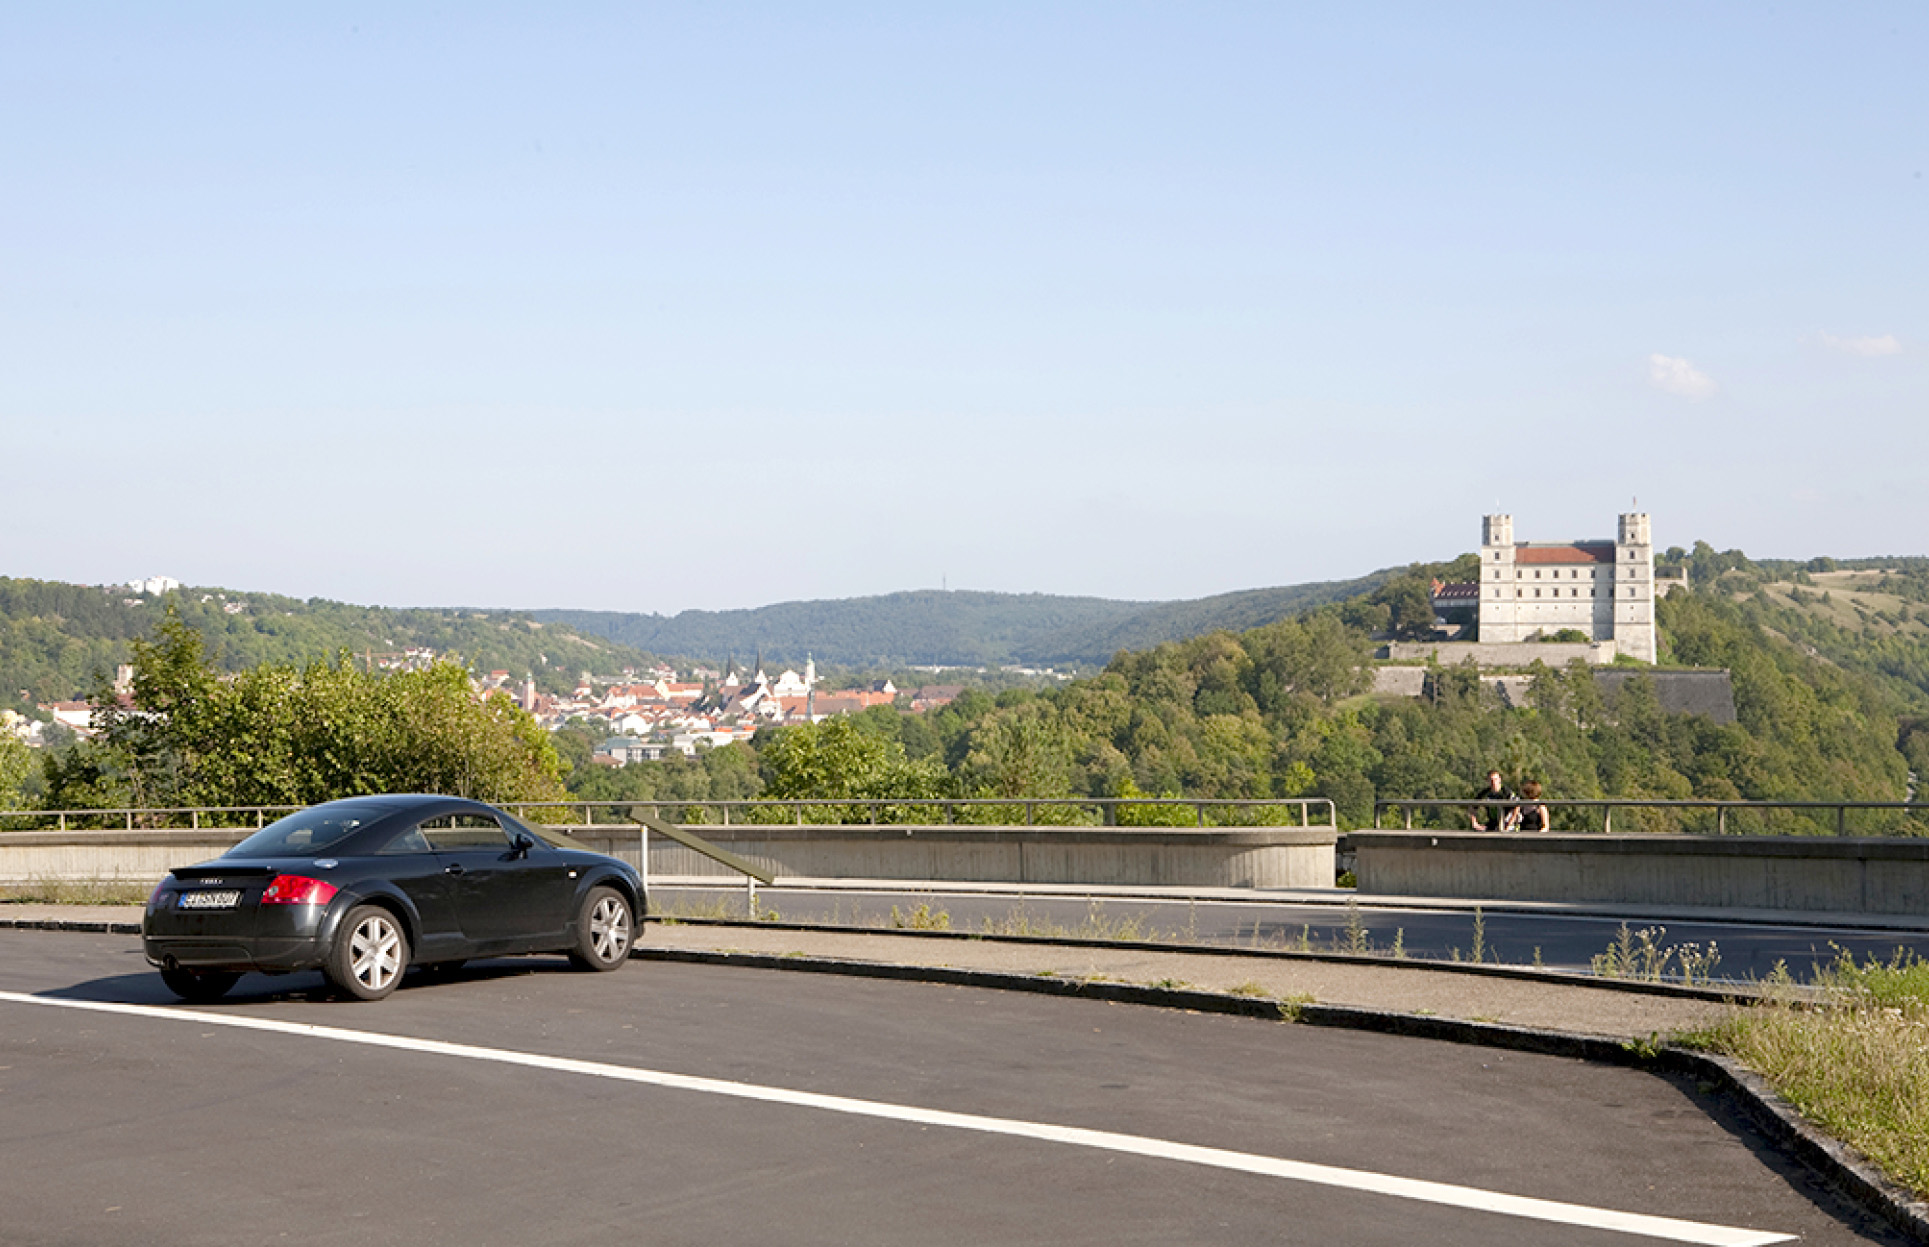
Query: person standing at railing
point(1496, 816)
point(1532, 816)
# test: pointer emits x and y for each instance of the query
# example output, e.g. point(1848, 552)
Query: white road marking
point(1581, 1215)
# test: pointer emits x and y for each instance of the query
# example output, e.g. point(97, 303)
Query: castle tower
point(1634, 630)
point(1499, 612)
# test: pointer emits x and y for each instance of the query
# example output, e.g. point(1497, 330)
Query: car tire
point(199, 986)
point(605, 929)
point(370, 952)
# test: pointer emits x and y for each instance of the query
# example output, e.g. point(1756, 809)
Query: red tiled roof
point(1579, 552)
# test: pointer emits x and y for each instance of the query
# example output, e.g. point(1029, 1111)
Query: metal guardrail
point(1607, 805)
point(1035, 811)
point(152, 818)
point(1029, 812)
point(1126, 812)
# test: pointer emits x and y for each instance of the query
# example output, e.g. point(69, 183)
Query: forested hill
point(953, 628)
point(54, 637)
point(1287, 709)
point(1864, 615)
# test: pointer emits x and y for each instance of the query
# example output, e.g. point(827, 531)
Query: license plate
point(227, 899)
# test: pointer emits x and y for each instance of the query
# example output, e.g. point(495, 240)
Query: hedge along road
point(517, 1101)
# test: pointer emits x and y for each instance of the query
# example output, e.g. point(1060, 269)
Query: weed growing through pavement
point(1292, 1007)
point(923, 918)
point(1480, 936)
point(1645, 955)
point(1248, 988)
point(1098, 925)
point(1357, 942)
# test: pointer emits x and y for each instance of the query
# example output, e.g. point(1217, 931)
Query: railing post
point(1607, 819)
point(1409, 810)
point(643, 863)
point(1721, 820)
point(1841, 820)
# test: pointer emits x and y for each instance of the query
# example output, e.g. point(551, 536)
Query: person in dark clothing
point(1533, 815)
point(1493, 817)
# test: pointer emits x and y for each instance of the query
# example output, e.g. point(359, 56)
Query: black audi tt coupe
point(363, 888)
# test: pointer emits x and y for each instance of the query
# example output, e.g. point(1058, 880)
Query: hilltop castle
point(1530, 590)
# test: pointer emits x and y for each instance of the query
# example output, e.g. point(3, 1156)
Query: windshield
point(310, 831)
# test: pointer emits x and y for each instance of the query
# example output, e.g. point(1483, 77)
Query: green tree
point(276, 734)
point(1019, 753)
point(838, 760)
point(17, 766)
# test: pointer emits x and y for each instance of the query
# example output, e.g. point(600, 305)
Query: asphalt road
point(518, 1102)
point(1561, 941)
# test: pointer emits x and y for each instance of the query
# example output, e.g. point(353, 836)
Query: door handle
point(453, 868)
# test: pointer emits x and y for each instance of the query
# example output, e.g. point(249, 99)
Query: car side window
point(410, 841)
point(464, 831)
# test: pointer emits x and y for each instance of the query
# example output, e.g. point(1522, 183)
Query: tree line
point(191, 734)
point(1284, 711)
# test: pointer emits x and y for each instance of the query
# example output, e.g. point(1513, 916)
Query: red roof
point(1579, 552)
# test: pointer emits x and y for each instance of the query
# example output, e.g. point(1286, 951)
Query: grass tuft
point(76, 892)
point(1857, 1066)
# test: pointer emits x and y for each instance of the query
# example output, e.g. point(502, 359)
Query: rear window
point(311, 831)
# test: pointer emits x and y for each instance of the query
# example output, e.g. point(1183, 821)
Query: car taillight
point(298, 890)
point(154, 897)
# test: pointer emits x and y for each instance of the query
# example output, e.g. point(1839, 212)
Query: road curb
point(1855, 1178)
point(62, 924)
point(1528, 974)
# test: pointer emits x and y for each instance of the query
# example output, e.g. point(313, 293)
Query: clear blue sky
point(650, 307)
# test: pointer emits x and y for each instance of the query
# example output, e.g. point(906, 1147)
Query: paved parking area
point(520, 1102)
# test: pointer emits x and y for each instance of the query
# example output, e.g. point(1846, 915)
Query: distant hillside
point(54, 637)
point(1158, 622)
point(954, 629)
point(1866, 615)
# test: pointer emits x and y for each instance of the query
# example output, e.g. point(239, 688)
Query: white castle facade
point(1533, 589)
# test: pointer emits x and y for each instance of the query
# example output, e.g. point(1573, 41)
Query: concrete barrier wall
point(1260, 857)
point(122, 857)
point(1839, 875)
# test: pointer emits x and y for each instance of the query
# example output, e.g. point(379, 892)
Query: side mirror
point(522, 844)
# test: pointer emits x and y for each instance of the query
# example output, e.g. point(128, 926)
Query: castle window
point(1537, 593)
